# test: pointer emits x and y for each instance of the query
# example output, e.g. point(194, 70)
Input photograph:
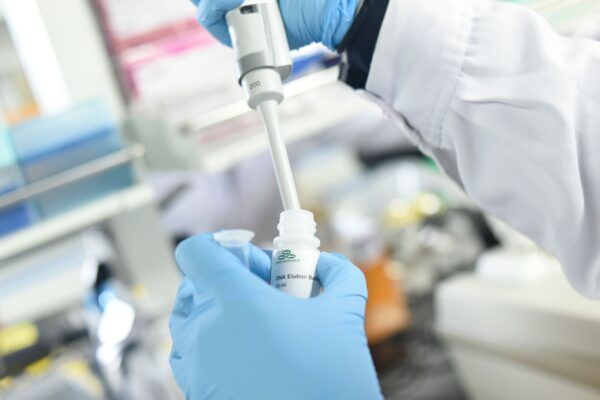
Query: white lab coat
point(511, 112)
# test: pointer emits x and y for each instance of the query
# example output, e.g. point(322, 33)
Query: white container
point(528, 339)
point(294, 262)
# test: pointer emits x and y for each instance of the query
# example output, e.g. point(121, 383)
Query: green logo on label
point(286, 255)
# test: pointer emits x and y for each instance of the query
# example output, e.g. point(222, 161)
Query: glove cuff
point(359, 43)
point(339, 19)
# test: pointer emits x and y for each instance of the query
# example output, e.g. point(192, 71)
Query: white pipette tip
point(269, 113)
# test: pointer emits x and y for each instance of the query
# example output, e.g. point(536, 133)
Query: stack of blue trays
point(53, 144)
point(17, 215)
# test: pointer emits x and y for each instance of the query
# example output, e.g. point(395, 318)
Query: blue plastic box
point(21, 214)
point(53, 144)
point(16, 216)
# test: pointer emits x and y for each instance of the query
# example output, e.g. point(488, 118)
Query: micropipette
point(264, 61)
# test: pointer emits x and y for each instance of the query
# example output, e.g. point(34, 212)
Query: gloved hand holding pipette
point(306, 21)
point(236, 337)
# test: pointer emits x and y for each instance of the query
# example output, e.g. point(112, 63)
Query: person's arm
point(508, 108)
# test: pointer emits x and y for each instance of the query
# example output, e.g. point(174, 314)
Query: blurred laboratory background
point(123, 131)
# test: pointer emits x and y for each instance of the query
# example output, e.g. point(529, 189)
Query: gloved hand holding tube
point(236, 337)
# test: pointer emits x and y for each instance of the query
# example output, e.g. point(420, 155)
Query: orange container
point(387, 313)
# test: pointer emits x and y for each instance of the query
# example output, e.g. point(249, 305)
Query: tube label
point(294, 271)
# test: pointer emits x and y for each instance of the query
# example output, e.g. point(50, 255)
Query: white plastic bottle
point(294, 262)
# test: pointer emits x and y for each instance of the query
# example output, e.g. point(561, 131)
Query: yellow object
point(5, 383)
point(401, 212)
point(429, 204)
point(18, 337)
point(139, 292)
point(40, 366)
point(79, 370)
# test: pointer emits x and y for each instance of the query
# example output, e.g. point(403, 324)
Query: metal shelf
point(327, 108)
point(81, 217)
point(76, 220)
point(78, 173)
point(218, 140)
point(239, 108)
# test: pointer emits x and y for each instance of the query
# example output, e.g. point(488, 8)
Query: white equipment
point(517, 330)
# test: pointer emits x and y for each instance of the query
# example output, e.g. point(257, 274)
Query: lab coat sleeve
point(509, 109)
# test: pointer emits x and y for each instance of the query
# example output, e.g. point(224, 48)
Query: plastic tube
point(294, 261)
point(269, 113)
point(236, 241)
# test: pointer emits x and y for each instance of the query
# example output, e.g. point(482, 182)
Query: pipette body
point(264, 61)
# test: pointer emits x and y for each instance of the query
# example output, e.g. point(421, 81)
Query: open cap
point(236, 241)
point(234, 237)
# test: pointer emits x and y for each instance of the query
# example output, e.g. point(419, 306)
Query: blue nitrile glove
point(236, 337)
point(306, 21)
